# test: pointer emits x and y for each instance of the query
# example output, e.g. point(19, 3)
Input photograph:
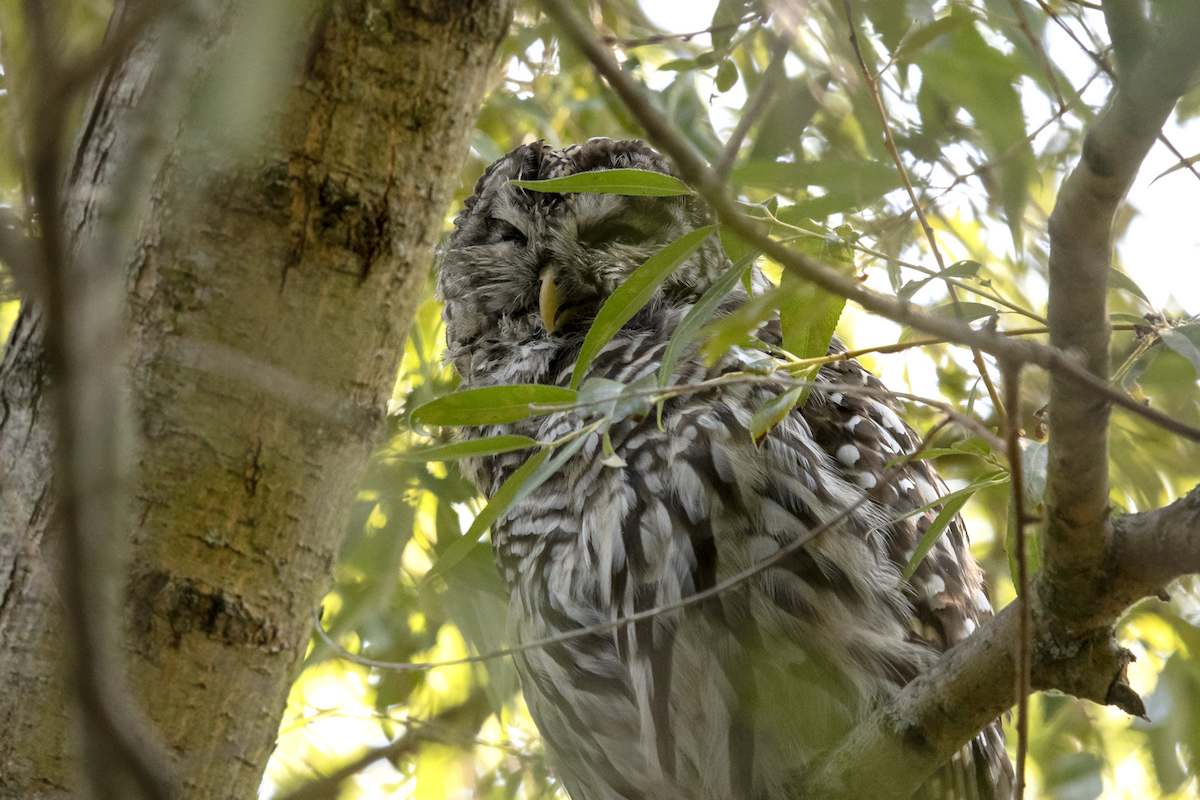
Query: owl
point(730, 697)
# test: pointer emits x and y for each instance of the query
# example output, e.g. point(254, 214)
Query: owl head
point(525, 272)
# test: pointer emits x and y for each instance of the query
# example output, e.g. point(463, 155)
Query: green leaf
point(548, 468)
point(727, 76)
point(794, 104)
point(678, 65)
point(477, 447)
point(972, 445)
point(1162, 369)
point(734, 328)
point(599, 397)
point(1129, 319)
point(1131, 378)
point(699, 314)
point(611, 459)
point(1119, 280)
point(959, 269)
point(631, 295)
point(736, 247)
point(725, 21)
point(917, 37)
point(970, 73)
point(998, 478)
point(614, 400)
point(972, 397)
point(499, 503)
point(928, 452)
point(1035, 458)
point(866, 181)
point(632, 182)
point(828, 204)
point(773, 412)
point(808, 316)
point(1184, 164)
point(966, 312)
point(490, 405)
point(951, 503)
point(1185, 340)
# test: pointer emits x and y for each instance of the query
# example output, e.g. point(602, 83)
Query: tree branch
point(700, 177)
point(1016, 480)
point(756, 105)
point(1080, 258)
point(892, 752)
point(79, 285)
point(887, 756)
point(1157, 546)
point(890, 144)
point(1129, 31)
point(1092, 577)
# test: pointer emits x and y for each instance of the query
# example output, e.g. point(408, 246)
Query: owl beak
point(559, 308)
point(550, 300)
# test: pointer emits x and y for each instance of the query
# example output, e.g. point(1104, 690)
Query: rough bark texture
point(269, 299)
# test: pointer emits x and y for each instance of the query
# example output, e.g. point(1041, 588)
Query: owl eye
point(612, 232)
point(510, 233)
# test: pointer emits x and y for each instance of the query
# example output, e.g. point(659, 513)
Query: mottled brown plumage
point(731, 697)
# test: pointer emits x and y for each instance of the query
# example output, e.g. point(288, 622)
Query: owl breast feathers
point(733, 696)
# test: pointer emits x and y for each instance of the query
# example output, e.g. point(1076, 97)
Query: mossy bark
point(268, 299)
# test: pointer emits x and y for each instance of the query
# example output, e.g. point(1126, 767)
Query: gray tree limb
point(1080, 257)
point(891, 753)
point(704, 181)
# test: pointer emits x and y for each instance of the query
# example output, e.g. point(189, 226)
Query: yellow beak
point(549, 300)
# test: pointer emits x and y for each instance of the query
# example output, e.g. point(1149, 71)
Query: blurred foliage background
point(988, 102)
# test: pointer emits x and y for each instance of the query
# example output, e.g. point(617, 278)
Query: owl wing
point(731, 696)
point(863, 433)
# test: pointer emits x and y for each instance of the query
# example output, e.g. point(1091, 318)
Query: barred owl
point(730, 697)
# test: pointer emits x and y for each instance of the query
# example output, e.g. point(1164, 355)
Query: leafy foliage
point(987, 113)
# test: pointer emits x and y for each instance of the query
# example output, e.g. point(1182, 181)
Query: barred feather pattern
point(730, 697)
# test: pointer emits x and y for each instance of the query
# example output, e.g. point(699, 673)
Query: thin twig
point(1104, 66)
point(1022, 679)
point(696, 173)
point(756, 106)
point(976, 290)
point(653, 395)
point(1016, 147)
point(1023, 24)
point(318, 714)
point(729, 583)
point(659, 38)
point(79, 285)
point(890, 144)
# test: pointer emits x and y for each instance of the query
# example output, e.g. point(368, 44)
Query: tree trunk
point(269, 298)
